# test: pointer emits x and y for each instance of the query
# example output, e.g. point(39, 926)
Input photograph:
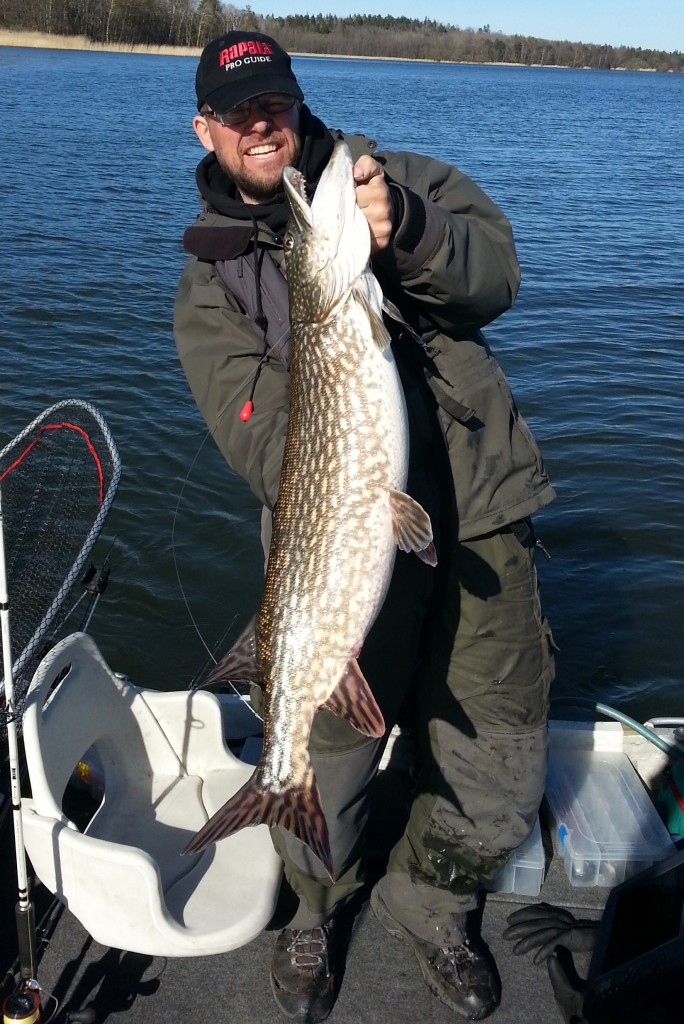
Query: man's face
point(253, 154)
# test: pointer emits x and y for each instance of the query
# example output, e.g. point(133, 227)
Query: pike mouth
point(335, 197)
point(296, 182)
point(295, 191)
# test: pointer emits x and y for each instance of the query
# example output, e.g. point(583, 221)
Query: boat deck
point(380, 978)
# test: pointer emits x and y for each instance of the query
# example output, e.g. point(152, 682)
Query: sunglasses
point(270, 103)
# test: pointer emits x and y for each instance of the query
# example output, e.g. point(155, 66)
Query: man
point(467, 641)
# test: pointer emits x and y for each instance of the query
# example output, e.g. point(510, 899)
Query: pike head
point(327, 244)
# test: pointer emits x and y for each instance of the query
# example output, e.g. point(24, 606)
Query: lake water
point(96, 188)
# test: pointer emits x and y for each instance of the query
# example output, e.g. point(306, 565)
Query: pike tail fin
point(295, 808)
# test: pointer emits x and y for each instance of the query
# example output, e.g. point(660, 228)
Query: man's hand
point(372, 195)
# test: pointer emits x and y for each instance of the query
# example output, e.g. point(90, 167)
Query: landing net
point(58, 477)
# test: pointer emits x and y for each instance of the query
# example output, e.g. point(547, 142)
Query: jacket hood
point(220, 194)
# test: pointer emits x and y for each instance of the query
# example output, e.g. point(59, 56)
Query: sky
point(651, 24)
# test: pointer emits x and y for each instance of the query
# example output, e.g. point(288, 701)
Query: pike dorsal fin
point(412, 527)
point(352, 699)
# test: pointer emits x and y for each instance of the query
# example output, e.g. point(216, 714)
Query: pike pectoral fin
point(297, 809)
point(239, 664)
point(367, 292)
point(412, 527)
point(352, 699)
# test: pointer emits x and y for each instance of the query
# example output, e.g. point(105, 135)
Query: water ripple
point(94, 204)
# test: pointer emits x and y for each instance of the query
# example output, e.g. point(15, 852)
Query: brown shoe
point(458, 975)
point(302, 973)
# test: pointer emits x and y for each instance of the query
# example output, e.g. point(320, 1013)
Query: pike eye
point(288, 243)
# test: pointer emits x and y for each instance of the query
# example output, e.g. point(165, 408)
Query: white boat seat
point(166, 770)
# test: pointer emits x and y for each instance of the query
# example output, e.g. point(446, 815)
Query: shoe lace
point(451, 958)
point(308, 949)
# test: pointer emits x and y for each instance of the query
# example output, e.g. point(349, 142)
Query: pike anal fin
point(239, 664)
point(295, 808)
point(412, 527)
point(352, 699)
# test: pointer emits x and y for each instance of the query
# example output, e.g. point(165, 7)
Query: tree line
point(192, 23)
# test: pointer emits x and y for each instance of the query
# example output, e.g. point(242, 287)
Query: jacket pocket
point(497, 467)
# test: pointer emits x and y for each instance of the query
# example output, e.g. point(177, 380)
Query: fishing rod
point(95, 582)
point(25, 914)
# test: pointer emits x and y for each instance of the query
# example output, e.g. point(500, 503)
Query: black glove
point(542, 927)
point(568, 987)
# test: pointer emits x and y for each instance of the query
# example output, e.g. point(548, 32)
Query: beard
point(256, 187)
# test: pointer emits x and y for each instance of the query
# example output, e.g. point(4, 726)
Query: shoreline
point(48, 41)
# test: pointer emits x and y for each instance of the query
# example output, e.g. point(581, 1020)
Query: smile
point(265, 150)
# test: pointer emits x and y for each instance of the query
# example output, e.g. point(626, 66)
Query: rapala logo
point(252, 46)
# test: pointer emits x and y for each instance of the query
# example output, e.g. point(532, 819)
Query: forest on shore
point(192, 23)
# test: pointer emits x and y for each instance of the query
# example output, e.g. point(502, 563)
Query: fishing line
point(251, 376)
point(207, 435)
point(249, 379)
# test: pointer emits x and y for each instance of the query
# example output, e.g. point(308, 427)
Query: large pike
point(341, 511)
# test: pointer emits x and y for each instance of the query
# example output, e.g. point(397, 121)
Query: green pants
point(470, 643)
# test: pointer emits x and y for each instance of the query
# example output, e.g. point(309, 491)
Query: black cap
point(240, 65)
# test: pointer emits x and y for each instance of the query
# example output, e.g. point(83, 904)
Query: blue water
point(96, 188)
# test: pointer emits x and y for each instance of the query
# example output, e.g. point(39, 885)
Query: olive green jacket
point(451, 268)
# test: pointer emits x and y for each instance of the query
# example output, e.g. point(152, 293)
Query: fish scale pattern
point(332, 543)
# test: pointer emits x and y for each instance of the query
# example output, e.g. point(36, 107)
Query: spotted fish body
point(341, 510)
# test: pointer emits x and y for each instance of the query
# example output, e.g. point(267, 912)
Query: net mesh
point(58, 479)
